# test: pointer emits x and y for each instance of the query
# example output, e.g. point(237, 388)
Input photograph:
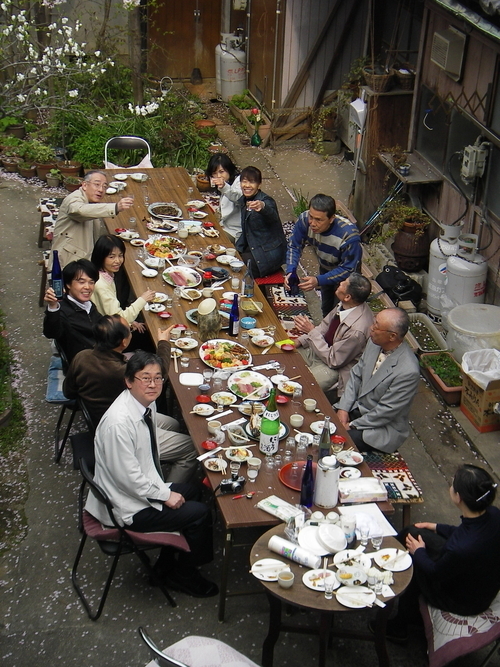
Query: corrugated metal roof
point(462, 12)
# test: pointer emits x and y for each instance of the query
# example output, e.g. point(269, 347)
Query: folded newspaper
point(279, 508)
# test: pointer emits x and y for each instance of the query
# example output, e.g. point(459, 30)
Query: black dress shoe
point(193, 584)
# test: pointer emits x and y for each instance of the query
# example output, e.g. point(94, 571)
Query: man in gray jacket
point(333, 347)
point(376, 402)
point(78, 223)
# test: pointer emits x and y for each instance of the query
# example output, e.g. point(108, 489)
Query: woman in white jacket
point(108, 257)
point(223, 174)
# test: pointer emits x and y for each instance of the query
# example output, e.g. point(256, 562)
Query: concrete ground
point(43, 622)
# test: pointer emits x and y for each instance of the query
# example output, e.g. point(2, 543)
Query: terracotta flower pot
point(42, 169)
point(10, 164)
point(450, 395)
point(27, 172)
point(71, 187)
point(53, 181)
point(69, 168)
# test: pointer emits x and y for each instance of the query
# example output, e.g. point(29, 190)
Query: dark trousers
point(328, 298)
point(357, 434)
point(193, 519)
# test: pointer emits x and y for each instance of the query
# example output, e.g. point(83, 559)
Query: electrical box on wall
point(448, 48)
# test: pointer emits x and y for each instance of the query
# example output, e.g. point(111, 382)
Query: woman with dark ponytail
point(456, 568)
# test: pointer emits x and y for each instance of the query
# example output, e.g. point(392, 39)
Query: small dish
point(215, 465)
point(262, 341)
point(152, 262)
point(287, 347)
point(276, 379)
point(246, 408)
point(149, 273)
point(111, 191)
point(128, 235)
point(209, 445)
point(317, 427)
point(268, 573)
point(224, 259)
point(236, 264)
point(203, 409)
point(121, 177)
point(188, 260)
point(247, 322)
point(282, 399)
point(160, 297)
point(186, 343)
point(199, 215)
point(256, 332)
point(288, 387)
point(357, 597)
point(224, 397)
point(118, 185)
point(139, 177)
point(175, 353)
point(315, 579)
point(239, 454)
point(350, 458)
point(191, 294)
point(229, 296)
point(165, 315)
point(154, 307)
point(137, 243)
point(389, 559)
point(350, 473)
point(352, 557)
point(202, 398)
point(197, 203)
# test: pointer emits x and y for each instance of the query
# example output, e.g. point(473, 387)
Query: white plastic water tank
point(443, 247)
point(219, 49)
point(473, 326)
point(233, 71)
point(466, 273)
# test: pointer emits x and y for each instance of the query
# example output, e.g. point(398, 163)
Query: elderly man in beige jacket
point(333, 347)
point(78, 223)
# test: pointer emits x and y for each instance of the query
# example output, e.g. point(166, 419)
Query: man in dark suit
point(376, 402)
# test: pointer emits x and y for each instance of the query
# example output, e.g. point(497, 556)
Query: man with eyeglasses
point(78, 224)
point(97, 376)
point(127, 468)
point(376, 402)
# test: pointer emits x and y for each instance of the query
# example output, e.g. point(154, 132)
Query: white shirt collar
point(345, 312)
point(86, 305)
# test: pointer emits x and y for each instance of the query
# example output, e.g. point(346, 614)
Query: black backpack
point(398, 286)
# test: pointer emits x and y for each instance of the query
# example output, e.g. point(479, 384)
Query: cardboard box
point(477, 404)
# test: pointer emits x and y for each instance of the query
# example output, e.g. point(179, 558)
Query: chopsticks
point(259, 308)
point(176, 366)
point(266, 350)
point(294, 378)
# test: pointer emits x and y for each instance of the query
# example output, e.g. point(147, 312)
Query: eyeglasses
point(146, 381)
point(98, 184)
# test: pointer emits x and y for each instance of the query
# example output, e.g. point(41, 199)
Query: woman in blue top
point(456, 568)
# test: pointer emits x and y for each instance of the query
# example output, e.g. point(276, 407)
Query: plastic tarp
point(483, 366)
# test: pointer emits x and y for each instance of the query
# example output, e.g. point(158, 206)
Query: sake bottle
point(248, 281)
point(307, 487)
point(324, 440)
point(293, 283)
point(234, 318)
point(270, 426)
point(56, 279)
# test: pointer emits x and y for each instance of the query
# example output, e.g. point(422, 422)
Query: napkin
point(367, 521)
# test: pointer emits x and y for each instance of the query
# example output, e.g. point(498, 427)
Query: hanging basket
point(379, 83)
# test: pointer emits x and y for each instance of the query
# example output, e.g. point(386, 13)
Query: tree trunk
point(134, 46)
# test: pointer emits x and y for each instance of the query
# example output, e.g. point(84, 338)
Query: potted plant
point(53, 178)
point(69, 167)
point(72, 183)
point(11, 160)
point(323, 134)
point(13, 126)
point(445, 375)
point(26, 169)
point(43, 157)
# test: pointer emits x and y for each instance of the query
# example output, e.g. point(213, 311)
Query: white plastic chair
point(195, 652)
point(128, 143)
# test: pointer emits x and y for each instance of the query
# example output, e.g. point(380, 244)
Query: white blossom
point(73, 93)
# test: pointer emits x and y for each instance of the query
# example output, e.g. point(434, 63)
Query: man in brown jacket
point(333, 347)
point(78, 223)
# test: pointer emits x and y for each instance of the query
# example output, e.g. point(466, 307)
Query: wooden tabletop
point(171, 184)
point(302, 596)
point(243, 513)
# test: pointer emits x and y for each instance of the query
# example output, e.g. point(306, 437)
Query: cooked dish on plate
point(165, 246)
point(221, 353)
point(165, 210)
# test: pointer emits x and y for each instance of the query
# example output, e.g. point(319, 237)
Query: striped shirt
point(338, 249)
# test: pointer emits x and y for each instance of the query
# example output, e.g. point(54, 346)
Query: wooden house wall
point(470, 93)
point(304, 20)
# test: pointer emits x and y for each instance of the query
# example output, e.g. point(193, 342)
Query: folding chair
point(116, 541)
point(198, 651)
point(128, 143)
point(450, 635)
point(54, 394)
point(82, 445)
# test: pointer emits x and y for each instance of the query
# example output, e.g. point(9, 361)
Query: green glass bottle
point(270, 426)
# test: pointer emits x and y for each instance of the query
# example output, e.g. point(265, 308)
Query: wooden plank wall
point(303, 22)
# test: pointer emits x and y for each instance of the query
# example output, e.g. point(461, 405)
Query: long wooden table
point(171, 184)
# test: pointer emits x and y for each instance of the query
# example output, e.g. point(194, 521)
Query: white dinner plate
point(308, 539)
point(276, 379)
point(270, 568)
point(224, 397)
point(349, 458)
point(351, 556)
point(215, 465)
point(317, 427)
point(203, 409)
point(155, 307)
point(331, 537)
point(288, 387)
point(239, 454)
point(249, 383)
point(314, 579)
point(402, 563)
point(355, 597)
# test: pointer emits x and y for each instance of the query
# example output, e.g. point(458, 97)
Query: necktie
point(152, 436)
point(330, 333)
point(382, 356)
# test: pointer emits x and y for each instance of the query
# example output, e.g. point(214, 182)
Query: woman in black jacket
point(262, 238)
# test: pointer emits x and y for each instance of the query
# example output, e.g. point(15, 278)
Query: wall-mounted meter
point(239, 4)
point(474, 162)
